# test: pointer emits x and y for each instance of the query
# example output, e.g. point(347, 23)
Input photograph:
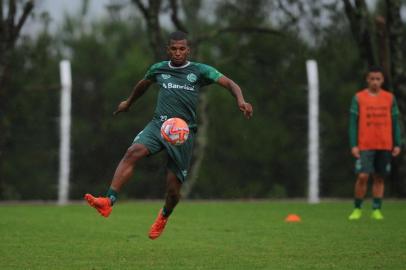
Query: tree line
point(262, 45)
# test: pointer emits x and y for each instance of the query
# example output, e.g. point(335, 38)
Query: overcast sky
point(58, 8)
point(97, 8)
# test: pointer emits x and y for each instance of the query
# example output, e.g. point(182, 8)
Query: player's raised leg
point(360, 191)
point(124, 171)
point(378, 188)
point(172, 198)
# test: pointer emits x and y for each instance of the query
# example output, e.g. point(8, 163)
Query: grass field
point(202, 235)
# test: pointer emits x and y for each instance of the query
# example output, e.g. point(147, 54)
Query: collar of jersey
point(185, 65)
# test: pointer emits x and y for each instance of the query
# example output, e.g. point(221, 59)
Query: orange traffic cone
point(293, 218)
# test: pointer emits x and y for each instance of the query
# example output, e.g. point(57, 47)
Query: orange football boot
point(101, 204)
point(158, 227)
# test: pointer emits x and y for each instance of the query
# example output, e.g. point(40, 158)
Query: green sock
point(376, 203)
point(112, 195)
point(358, 203)
point(165, 212)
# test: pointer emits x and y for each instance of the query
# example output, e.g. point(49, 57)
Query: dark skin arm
point(235, 90)
point(142, 86)
point(139, 89)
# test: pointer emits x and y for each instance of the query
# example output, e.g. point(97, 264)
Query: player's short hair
point(178, 35)
point(375, 69)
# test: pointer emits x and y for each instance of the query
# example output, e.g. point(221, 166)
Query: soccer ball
point(175, 131)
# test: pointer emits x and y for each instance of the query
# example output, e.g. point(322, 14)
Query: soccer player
point(375, 138)
point(180, 81)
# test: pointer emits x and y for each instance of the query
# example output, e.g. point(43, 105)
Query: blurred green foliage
point(265, 157)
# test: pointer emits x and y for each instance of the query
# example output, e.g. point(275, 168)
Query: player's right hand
point(355, 152)
point(124, 106)
point(396, 151)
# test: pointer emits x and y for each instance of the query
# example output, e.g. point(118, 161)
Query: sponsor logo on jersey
point(177, 86)
point(191, 77)
point(165, 76)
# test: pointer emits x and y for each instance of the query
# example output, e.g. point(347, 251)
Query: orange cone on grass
point(293, 218)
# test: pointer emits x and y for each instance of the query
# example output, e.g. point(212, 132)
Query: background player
point(180, 81)
point(374, 138)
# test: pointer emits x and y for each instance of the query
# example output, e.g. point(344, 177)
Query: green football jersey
point(179, 88)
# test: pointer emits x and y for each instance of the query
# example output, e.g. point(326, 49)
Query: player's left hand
point(396, 151)
point(246, 108)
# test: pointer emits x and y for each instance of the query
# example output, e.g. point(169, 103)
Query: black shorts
point(374, 161)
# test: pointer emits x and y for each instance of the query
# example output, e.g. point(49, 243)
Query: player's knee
point(378, 179)
point(363, 178)
point(135, 152)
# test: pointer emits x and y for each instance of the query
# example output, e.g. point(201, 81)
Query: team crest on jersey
point(191, 77)
point(165, 76)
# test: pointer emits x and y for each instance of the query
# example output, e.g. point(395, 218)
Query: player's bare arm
point(139, 89)
point(235, 90)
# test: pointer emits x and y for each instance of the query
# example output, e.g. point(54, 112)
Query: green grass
point(202, 235)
